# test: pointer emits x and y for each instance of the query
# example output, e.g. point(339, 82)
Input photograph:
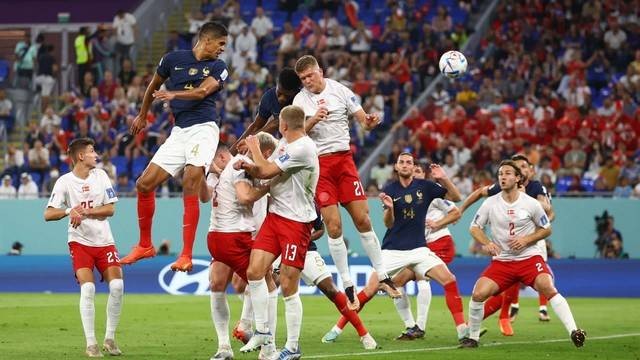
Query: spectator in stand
point(7, 191)
point(327, 22)
point(83, 56)
point(289, 45)
point(33, 135)
point(623, 189)
point(124, 25)
point(48, 184)
point(49, 119)
point(262, 27)
point(236, 25)
point(442, 23)
point(127, 73)
point(108, 167)
point(246, 43)
point(574, 160)
point(450, 167)
point(125, 187)
point(381, 173)
point(6, 114)
point(107, 86)
point(316, 42)
point(47, 67)
point(39, 158)
point(609, 174)
point(360, 39)
point(28, 188)
point(102, 52)
point(26, 55)
point(13, 160)
point(388, 88)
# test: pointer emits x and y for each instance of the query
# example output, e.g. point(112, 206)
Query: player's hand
point(139, 123)
point(164, 95)
point(76, 216)
point(437, 172)
point(321, 114)
point(386, 200)
point(491, 249)
point(239, 165)
point(253, 144)
point(433, 225)
point(371, 121)
point(517, 244)
point(241, 147)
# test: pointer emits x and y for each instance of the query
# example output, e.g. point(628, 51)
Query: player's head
point(405, 165)
point(288, 86)
point(291, 119)
point(267, 142)
point(310, 73)
point(213, 38)
point(509, 175)
point(419, 172)
point(222, 156)
point(526, 168)
point(81, 151)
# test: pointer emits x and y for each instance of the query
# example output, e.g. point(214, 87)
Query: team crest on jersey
point(193, 71)
point(85, 188)
point(321, 102)
point(205, 71)
point(408, 198)
point(511, 213)
point(419, 195)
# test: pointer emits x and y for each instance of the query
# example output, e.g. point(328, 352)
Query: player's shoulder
point(177, 55)
point(64, 179)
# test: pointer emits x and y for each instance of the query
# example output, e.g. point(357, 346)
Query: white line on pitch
point(382, 352)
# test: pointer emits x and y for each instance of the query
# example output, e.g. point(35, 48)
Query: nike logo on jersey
point(178, 68)
point(396, 199)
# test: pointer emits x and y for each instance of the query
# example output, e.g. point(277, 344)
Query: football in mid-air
point(453, 64)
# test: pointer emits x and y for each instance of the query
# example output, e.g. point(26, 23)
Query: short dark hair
point(512, 163)
point(213, 30)
point(288, 80)
point(78, 145)
point(518, 157)
point(222, 147)
point(406, 153)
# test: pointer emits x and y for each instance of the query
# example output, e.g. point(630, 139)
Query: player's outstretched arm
point(368, 121)
point(473, 197)
point(248, 194)
point(140, 122)
point(206, 88)
point(205, 193)
point(452, 216)
point(441, 177)
point(258, 124)
point(263, 168)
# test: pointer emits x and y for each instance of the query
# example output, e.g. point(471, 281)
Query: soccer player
point(505, 301)
point(272, 101)
point(517, 222)
point(405, 204)
point(86, 196)
point(294, 171)
point(193, 79)
point(327, 105)
point(230, 237)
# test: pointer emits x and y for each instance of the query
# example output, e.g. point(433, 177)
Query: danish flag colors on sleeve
point(293, 191)
point(331, 134)
point(96, 190)
point(509, 221)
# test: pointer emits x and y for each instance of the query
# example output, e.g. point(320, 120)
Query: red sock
point(340, 300)
point(146, 208)
point(454, 302)
point(189, 224)
point(508, 296)
point(492, 305)
point(363, 298)
point(542, 299)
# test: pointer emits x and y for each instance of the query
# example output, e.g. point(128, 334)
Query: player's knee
point(116, 287)
point(479, 296)
point(253, 273)
point(237, 287)
point(448, 279)
point(88, 290)
point(334, 229)
point(218, 286)
point(362, 222)
point(143, 186)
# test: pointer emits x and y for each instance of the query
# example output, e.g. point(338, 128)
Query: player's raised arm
point(140, 122)
point(259, 124)
point(546, 205)
point(368, 121)
point(206, 88)
point(473, 197)
point(441, 177)
point(388, 216)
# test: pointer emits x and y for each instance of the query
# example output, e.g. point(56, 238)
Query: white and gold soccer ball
point(453, 64)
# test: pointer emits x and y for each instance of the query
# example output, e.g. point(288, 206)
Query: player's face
point(404, 166)
point(525, 168)
point(312, 79)
point(89, 157)
point(507, 177)
point(214, 46)
point(285, 97)
point(418, 173)
point(221, 159)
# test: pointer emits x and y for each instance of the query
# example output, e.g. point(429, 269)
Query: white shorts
point(195, 145)
point(46, 83)
point(419, 260)
point(314, 269)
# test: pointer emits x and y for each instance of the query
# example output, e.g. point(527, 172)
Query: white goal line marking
point(382, 352)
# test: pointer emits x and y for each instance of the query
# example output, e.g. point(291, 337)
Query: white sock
point(246, 318)
point(476, 313)
point(114, 307)
point(403, 306)
point(543, 307)
point(371, 246)
point(515, 305)
point(338, 250)
point(273, 313)
point(260, 301)
point(293, 315)
point(561, 308)
point(88, 312)
point(337, 329)
point(220, 315)
point(424, 301)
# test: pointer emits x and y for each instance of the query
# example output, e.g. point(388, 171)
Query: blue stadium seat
point(64, 168)
point(5, 70)
point(588, 184)
point(121, 163)
point(563, 183)
point(37, 178)
point(137, 166)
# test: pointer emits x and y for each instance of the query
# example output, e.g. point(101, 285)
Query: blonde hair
point(293, 116)
point(267, 141)
point(306, 62)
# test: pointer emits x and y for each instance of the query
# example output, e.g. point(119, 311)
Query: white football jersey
point(259, 212)
point(228, 214)
point(331, 134)
point(438, 209)
point(212, 182)
point(293, 191)
point(71, 191)
point(508, 221)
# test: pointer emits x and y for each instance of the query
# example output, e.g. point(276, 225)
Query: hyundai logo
point(195, 282)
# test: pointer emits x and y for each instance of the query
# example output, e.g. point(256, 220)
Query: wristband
point(67, 211)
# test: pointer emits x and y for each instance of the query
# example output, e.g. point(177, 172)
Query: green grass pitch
point(47, 326)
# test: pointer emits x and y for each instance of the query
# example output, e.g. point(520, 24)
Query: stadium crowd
point(535, 83)
point(557, 81)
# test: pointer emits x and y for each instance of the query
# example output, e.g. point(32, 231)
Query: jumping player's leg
point(146, 186)
point(113, 276)
point(193, 176)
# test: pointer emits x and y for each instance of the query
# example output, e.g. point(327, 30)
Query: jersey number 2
point(290, 252)
point(539, 267)
point(511, 229)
